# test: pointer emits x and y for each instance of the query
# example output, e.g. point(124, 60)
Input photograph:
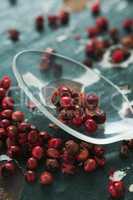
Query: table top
point(21, 16)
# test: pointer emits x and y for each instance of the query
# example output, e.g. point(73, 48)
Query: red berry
point(95, 8)
point(53, 153)
point(52, 164)
point(99, 150)
point(92, 31)
point(102, 23)
point(2, 92)
point(93, 99)
point(24, 127)
point(64, 17)
point(72, 147)
point(67, 158)
point(30, 176)
point(33, 137)
point(128, 24)
point(22, 138)
point(85, 145)
point(77, 120)
point(100, 161)
point(12, 131)
point(14, 151)
point(14, 34)
point(91, 126)
point(6, 82)
point(32, 163)
point(117, 56)
point(7, 103)
point(54, 143)
point(46, 178)
point(127, 41)
point(37, 152)
point(90, 48)
point(99, 117)
point(114, 34)
point(112, 191)
point(68, 168)
point(116, 189)
point(10, 166)
point(18, 116)
point(90, 165)
point(66, 102)
point(53, 20)
point(6, 114)
point(99, 44)
point(83, 155)
point(4, 123)
point(39, 23)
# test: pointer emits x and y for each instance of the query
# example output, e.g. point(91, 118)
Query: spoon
point(39, 73)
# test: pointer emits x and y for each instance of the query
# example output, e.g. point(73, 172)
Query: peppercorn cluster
point(78, 109)
point(22, 140)
point(102, 36)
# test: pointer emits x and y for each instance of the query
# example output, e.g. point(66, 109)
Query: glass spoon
point(39, 73)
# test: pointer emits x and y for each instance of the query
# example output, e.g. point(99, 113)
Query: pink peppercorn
point(95, 8)
point(39, 22)
point(90, 165)
point(116, 189)
point(14, 35)
point(128, 24)
point(64, 17)
point(91, 126)
point(102, 23)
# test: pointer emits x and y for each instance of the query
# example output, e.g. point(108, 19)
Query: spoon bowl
point(39, 73)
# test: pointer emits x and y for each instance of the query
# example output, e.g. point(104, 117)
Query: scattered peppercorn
point(102, 23)
point(92, 31)
point(119, 55)
point(128, 24)
point(39, 22)
point(95, 8)
point(14, 35)
point(127, 41)
point(114, 34)
point(64, 17)
point(53, 21)
point(116, 189)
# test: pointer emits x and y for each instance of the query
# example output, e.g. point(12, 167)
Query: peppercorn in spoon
point(40, 74)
